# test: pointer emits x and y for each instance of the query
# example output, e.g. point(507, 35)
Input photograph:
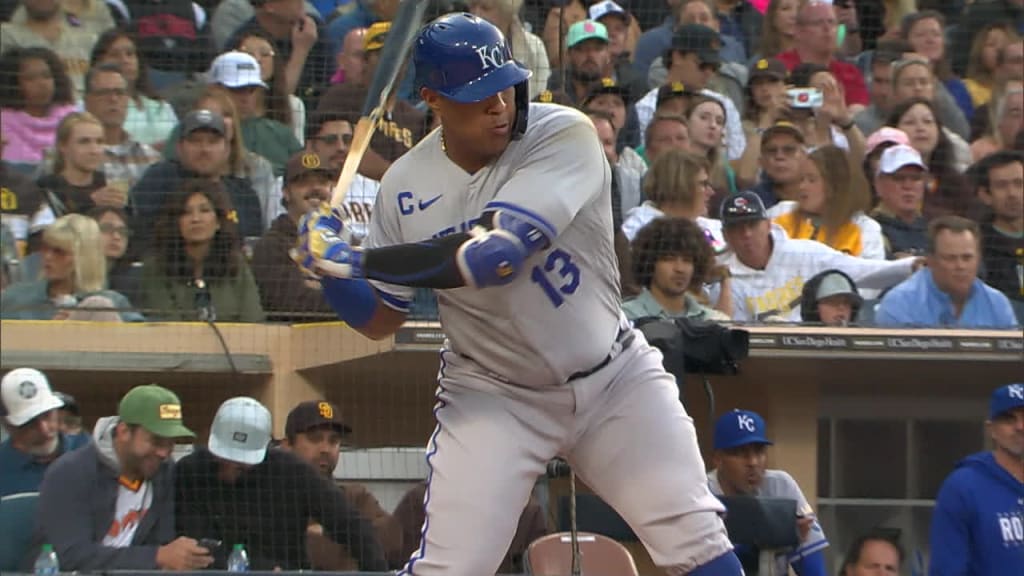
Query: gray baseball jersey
point(561, 314)
point(779, 484)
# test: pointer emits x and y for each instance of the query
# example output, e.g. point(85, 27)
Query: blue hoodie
point(978, 524)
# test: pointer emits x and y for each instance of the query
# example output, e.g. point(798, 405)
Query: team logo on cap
point(1015, 391)
point(204, 116)
point(608, 82)
point(170, 411)
point(246, 66)
point(744, 421)
point(762, 64)
point(740, 202)
point(546, 96)
point(240, 437)
point(27, 389)
point(310, 161)
point(589, 27)
point(678, 87)
point(491, 56)
point(326, 410)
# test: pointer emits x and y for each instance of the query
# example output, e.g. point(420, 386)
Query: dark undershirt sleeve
point(427, 264)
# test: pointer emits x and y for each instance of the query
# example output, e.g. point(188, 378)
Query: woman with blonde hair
point(831, 205)
point(77, 182)
point(527, 48)
point(74, 275)
point(676, 185)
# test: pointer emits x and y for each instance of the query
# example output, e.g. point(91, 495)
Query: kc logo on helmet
point(491, 56)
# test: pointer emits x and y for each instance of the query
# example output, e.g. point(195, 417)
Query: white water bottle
point(239, 560)
point(46, 563)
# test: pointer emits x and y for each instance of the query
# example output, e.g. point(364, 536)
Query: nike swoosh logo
point(424, 204)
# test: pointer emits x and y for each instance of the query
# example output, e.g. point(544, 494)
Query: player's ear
point(431, 97)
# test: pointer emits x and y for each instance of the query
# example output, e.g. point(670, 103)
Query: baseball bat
point(400, 37)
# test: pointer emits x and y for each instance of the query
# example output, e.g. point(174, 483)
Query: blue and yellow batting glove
point(321, 248)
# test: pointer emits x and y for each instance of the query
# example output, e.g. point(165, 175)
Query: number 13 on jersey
point(557, 277)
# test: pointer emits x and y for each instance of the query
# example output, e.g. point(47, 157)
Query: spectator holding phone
point(110, 504)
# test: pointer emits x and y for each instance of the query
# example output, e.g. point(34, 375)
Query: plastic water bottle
point(46, 562)
point(239, 560)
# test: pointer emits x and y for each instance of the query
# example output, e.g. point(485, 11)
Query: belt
point(624, 338)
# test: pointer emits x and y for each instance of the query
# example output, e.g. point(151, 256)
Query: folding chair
point(551, 555)
point(17, 517)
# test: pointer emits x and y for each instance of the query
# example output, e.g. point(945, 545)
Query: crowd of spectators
point(880, 139)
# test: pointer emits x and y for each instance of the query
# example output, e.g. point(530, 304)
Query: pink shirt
point(27, 136)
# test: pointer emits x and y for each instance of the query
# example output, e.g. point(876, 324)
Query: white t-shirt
point(131, 506)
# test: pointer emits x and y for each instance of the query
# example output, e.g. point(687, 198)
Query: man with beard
point(329, 136)
point(741, 451)
point(313, 432)
point(236, 490)
point(978, 525)
point(46, 25)
point(30, 416)
point(590, 60)
point(284, 290)
point(110, 505)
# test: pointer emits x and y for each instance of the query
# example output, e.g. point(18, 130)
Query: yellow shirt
point(980, 94)
point(847, 239)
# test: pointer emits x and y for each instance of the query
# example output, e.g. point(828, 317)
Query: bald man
point(351, 57)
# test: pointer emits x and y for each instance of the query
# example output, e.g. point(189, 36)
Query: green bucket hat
point(156, 409)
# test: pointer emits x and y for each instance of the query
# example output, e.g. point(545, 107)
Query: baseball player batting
point(506, 210)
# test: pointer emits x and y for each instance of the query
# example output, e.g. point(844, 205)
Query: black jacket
point(163, 178)
point(268, 510)
point(1003, 256)
point(900, 236)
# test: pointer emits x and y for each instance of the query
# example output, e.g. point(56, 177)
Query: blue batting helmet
point(465, 59)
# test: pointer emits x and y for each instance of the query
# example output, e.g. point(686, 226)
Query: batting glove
point(321, 248)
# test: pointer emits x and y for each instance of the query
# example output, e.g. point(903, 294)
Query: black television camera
point(695, 346)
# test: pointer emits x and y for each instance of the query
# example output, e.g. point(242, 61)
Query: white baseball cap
point(241, 431)
point(602, 9)
point(899, 156)
point(236, 70)
point(26, 394)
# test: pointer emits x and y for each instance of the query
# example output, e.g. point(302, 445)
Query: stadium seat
point(17, 514)
point(551, 555)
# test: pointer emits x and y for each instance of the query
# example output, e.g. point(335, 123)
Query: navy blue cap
point(739, 428)
point(743, 207)
point(1005, 399)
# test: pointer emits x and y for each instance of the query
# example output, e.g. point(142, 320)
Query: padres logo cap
point(303, 163)
point(156, 409)
point(26, 394)
point(241, 431)
point(314, 414)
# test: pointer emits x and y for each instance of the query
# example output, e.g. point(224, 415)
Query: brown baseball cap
point(305, 163)
point(314, 414)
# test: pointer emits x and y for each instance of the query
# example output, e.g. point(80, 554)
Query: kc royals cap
point(236, 70)
point(314, 414)
point(743, 207)
point(607, 8)
point(241, 431)
point(739, 428)
point(375, 36)
point(585, 30)
point(156, 409)
point(1005, 399)
point(899, 156)
point(25, 393)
